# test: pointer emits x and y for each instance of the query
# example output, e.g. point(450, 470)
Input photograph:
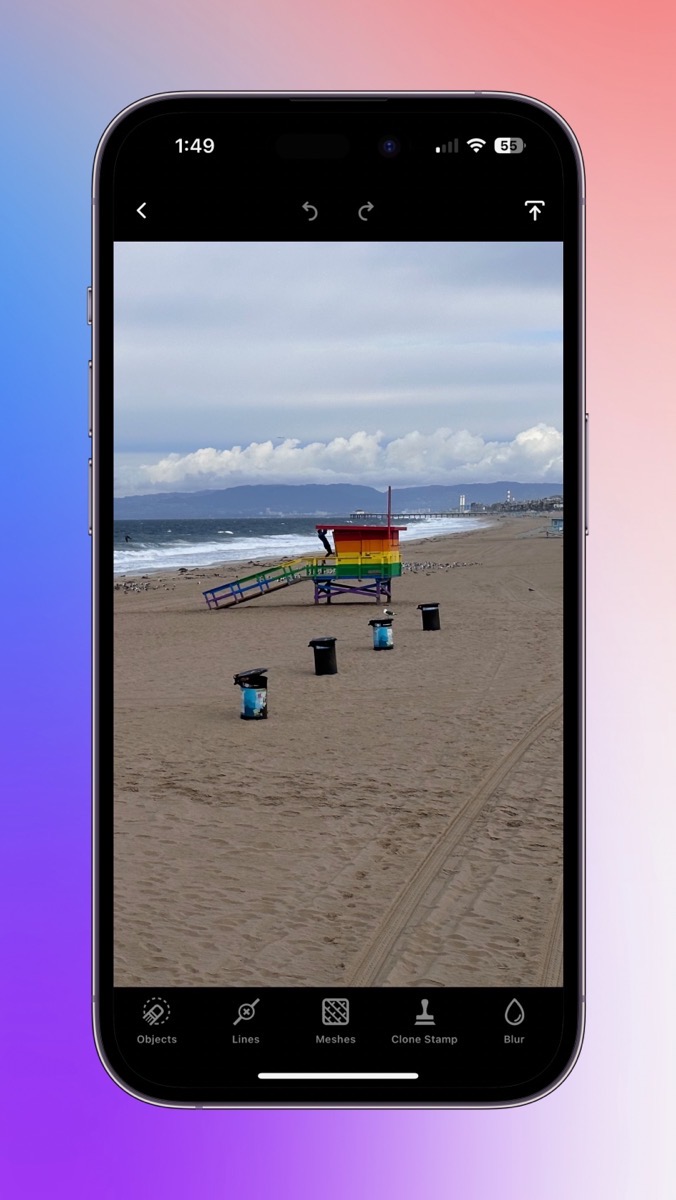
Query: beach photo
point(338, 583)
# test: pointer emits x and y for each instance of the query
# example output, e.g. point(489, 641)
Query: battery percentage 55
point(509, 145)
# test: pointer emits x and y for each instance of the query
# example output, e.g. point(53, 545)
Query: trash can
point(254, 685)
point(325, 655)
point(430, 616)
point(383, 634)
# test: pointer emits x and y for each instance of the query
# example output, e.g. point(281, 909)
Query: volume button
point(586, 473)
point(90, 499)
point(90, 308)
point(90, 398)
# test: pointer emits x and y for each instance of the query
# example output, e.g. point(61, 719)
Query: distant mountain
point(321, 500)
point(255, 500)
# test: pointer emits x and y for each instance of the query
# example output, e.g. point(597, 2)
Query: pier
point(414, 516)
point(519, 509)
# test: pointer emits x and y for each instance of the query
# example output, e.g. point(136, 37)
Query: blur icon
point(424, 1017)
point(514, 1013)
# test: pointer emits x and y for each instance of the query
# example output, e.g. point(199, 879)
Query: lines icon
point(476, 144)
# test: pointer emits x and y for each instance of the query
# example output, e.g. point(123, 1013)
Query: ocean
point(144, 546)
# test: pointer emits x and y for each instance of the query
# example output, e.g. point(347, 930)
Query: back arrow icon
point(310, 207)
point(141, 208)
point(365, 208)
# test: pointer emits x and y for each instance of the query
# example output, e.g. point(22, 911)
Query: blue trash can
point(383, 634)
point(254, 685)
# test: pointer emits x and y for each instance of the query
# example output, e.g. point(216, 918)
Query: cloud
point(219, 344)
point(444, 457)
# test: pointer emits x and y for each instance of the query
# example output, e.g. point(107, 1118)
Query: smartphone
point(337, 409)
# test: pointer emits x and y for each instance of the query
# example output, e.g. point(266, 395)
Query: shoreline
point(261, 560)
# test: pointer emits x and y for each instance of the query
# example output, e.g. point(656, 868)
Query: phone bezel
point(574, 424)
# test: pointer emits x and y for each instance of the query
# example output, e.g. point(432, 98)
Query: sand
point(397, 824)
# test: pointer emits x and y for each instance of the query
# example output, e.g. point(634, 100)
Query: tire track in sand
point(371, 962)
point(550, 973)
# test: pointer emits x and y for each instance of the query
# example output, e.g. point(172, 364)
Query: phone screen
point(338, 626)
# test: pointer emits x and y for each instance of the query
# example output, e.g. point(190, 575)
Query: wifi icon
point(476, 144)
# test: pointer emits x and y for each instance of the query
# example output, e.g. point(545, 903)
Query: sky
point(373, 363)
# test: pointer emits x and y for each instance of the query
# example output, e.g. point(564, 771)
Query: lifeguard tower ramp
point(250, 587)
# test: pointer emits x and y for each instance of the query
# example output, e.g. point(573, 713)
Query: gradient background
point(66, 1130)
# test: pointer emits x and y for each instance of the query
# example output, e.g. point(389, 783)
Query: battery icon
point(508, 145)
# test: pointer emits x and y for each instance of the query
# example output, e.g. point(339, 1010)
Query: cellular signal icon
point(476, 144)
point(448, 147)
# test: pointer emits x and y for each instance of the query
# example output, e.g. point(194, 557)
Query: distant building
point(556, 524)
point(462, 502)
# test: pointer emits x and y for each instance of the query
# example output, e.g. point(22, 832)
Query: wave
point(438, 526)
point(172, 555)
point(142, 558)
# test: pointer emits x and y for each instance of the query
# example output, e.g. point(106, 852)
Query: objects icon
point(156, 1011)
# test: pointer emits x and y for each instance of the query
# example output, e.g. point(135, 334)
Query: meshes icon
point(335, 1011)
point(156, 1011)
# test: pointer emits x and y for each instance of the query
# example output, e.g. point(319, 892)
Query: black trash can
point(325, 655)
point(430, 616)
point(254, 685)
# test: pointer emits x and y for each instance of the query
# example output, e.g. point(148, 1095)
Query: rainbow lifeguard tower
point(366, 560)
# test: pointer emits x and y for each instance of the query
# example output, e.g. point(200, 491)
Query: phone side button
point(90, 400)
point(89, 306)
point(586, 473)
point(90, 503)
